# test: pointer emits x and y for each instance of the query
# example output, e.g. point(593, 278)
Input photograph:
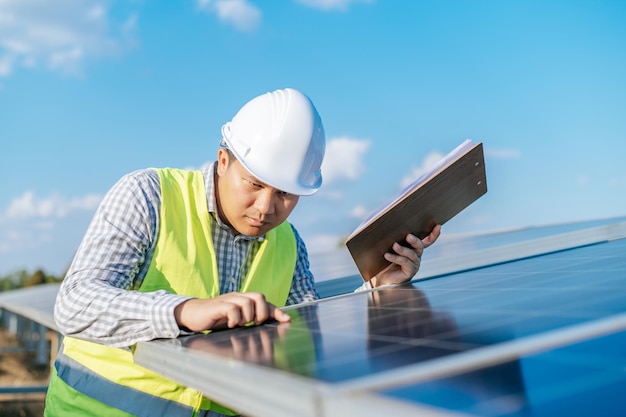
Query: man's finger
point(261, 309)
point(249, 309)
point(233, 314)
point(417, 245)
point(412, 254)
point(252, 307)
point(432, 237)
point(278, 314)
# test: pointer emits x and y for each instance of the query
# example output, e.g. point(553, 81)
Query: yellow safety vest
point(89, 375)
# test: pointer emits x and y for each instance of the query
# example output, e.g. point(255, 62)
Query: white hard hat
point(279, 138)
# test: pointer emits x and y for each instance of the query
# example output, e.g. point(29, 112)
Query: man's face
point(248, 205)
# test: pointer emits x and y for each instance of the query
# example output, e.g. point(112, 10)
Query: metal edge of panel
point(369, 404)
point(521, 250)
point(487, 356)
point(35, 315)
point(253, 390)
point(263, 392)
point(19, 301)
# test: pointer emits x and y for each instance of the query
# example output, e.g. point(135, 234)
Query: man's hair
point(231, 155)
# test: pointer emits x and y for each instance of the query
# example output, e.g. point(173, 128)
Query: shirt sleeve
point(303, 284)
point(97, 300)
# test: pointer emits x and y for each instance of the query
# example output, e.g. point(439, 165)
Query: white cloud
point(332, 194)
point(321, 242)
point(616, 182)
point(360, 212)
point(67, 59)
point(243, 15)
point(344, 158)
point(6, 65)
point(59, 35)
point(96, 12)
point(428, 162)
point(44, 225)
point(582, 180)
point(12, 239)
point(129, 26)
point(331, 5)
point(503, 153)
point(28, 206)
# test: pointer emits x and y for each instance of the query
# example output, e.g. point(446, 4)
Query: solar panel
point(35, 303)
point(581, 379)
point(454, 253)
point(537, 336)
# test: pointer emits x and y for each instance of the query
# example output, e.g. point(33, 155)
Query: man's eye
point(252, 184)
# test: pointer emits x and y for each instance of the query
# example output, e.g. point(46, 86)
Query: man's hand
point(406, 261)
point(228, 310)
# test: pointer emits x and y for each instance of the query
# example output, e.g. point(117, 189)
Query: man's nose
point(265, 201)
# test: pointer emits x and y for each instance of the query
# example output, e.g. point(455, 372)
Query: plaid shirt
point(94, 302)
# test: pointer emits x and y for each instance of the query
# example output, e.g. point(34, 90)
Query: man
point(171, 252)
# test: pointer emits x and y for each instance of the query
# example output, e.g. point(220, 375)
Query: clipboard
point(450, 186)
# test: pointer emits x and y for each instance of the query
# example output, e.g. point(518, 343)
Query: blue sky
point(93, 89)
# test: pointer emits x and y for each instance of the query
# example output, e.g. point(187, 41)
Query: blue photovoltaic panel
point(512, 301)
point(454, 244)
point(414, 343)
point(448, 248)
point(583, 379)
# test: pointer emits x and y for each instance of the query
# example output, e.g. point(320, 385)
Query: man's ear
point(223, 159)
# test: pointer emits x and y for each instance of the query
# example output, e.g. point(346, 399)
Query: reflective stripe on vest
point(184, 262)
point(127, 400)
